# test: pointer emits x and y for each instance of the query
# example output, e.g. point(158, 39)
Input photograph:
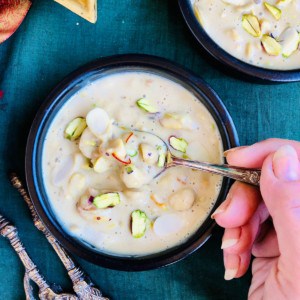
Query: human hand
point(265, 223)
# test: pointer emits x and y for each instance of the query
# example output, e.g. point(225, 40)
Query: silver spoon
point(251, 176)
point(82, 285)
point(247, 175)
point(10, 232)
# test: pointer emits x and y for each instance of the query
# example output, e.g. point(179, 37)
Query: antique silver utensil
point(247, 175)
point(9, 231)
point(82, 285)
point(251, 176)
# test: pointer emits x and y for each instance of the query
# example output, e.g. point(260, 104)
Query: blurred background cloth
point(52, 42)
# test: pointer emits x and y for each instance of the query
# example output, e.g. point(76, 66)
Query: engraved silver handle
point(10, 232)
point(251, 176)
point(82, 285)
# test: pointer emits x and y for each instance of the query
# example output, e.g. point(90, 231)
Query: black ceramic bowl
point(236, 66)
point(72, 84)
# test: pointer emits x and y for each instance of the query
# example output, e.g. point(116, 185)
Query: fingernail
point(229, 243)
point(232, 150)
point(230, 274)
point(217, 211)
point(286, 164)
point(223, 206)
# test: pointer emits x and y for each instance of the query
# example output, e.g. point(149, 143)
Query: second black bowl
point(228, 61)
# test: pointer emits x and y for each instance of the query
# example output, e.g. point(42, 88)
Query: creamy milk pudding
point(261, 33)
point(98, 169)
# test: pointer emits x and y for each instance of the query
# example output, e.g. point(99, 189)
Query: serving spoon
point(247, 175)
point(9, 231)
point(250, 176)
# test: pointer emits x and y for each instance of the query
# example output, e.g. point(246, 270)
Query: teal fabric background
point(53, 42)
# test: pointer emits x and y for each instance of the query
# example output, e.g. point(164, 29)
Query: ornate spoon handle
point(27, 287)
point(251, 176)
point(9, 231)
point(82, 285)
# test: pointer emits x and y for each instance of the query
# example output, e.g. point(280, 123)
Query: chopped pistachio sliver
point(161, 160)
point(251, 24)
point(184, 156)
point(271, 46)
point(283, 3)
point(75, 128)
point(106, 200)
point(169, 158)
point(274, 10)
point(132, 152)
point(146, 105)
point(139, 223)
point(129, 169)
point(179, 144)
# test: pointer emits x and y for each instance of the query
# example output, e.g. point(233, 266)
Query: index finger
point(253, 156)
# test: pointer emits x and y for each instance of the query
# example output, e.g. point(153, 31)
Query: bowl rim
point(228, 60)
point(55, 96)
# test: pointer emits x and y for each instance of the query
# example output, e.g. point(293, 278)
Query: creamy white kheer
point(98, 171)
point(261, 33)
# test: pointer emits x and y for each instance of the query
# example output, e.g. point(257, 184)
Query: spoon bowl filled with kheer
point(93, 156)
point(257, 38)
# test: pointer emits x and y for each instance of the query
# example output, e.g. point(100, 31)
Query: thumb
point(280, 188)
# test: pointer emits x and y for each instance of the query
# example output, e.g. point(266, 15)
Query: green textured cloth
point(52, 42)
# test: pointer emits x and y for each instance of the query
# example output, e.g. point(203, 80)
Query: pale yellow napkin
point(86, 9)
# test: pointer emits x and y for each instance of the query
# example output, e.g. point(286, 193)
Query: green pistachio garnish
point(129, 169)
point(283, 3)
point(75, 128)
point(184, 156)
point(146, 105)
point(161, 160)
point(251, 24)
point(179, 144)
point(106, 200)
point(132, 152)
point(274, 10)
point(139, 223)
point(271, 46)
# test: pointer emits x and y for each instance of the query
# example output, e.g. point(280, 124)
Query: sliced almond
point(168, 224)
point(63, 171)
point(88, 143)
point(249, 50)
point(289, 40)
point(117, 147)
point(98, 121)
point(149, 154)
point(76, 184)
point(101, 164)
